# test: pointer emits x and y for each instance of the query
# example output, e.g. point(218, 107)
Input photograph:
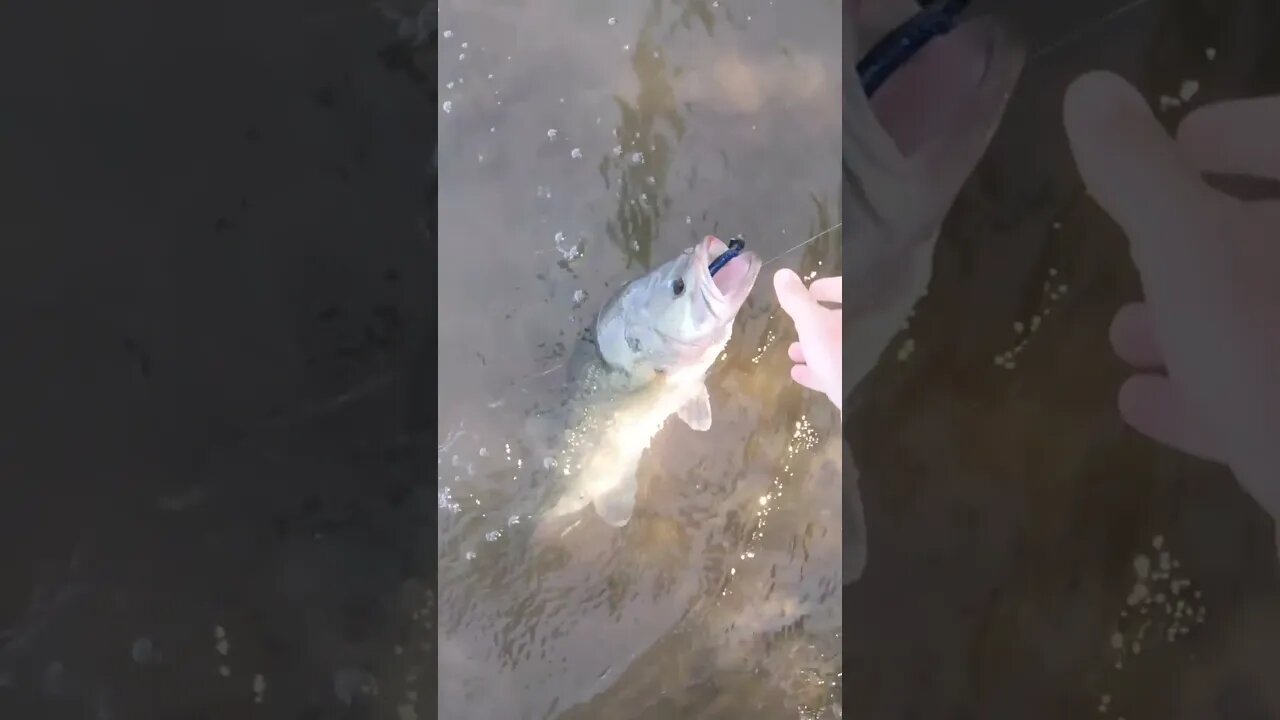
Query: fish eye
point(677, 286)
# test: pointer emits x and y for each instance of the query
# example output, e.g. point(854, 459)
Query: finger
point(794, 298)
point(1235, 137)
point(1136, 172)
point(828, 289)
point(1134, 339)
point(796, 353)
point(804, 375)
point(1152, 405)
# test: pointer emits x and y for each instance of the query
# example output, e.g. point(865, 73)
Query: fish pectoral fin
point(616, 504)
point(697, 412)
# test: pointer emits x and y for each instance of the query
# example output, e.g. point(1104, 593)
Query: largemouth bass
point(646, 360)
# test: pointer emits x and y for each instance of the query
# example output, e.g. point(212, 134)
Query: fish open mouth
point(932, 95)
point(736, 276)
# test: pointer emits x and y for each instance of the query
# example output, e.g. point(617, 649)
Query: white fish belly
point(612, 456)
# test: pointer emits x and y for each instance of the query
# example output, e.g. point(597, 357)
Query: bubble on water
point(513, 520)
point(449, 85)
point(446, 501)
point(551, 134)
point(579, 297)
point(484, 452)
point(688, 220)
point(651, 180)
point(471, 555)
point(490, 76)
point(447, 34)
point(463, 46)
point(575, 153)
point(462, 56)
point(548, 462)
point(447, 106)
point(492, 129)
point(617, 151)
point(492, 535)
point(715, 3)
point(1188, 89)
point(637, 158)
point(568, 253)
point(613, 21)
point(626, 48)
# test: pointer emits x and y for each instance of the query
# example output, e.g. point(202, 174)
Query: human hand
point(1206, 342)
point(817, 354)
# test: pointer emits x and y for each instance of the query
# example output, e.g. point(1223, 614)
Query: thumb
point(1141, 178)
point(793, 296)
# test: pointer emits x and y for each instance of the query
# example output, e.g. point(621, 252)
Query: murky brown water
point(581, 145)
point(1007, 505)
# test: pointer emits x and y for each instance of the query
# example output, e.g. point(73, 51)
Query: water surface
point(581, 146)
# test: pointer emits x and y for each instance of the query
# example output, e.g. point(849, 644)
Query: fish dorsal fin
point(616, 504)
point(696, 413)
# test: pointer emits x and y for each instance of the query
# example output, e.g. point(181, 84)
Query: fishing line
point(797, 247)
point(939, 18)
point(1087, 28)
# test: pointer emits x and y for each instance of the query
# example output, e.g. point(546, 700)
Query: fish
point(907, 152)
point(645, 361)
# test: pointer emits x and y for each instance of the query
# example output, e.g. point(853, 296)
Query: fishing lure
point(899, 46)
point(736, 245)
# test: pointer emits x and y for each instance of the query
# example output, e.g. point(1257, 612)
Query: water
point(580, 147)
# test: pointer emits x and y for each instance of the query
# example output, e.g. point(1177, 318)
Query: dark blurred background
point(217, 378)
